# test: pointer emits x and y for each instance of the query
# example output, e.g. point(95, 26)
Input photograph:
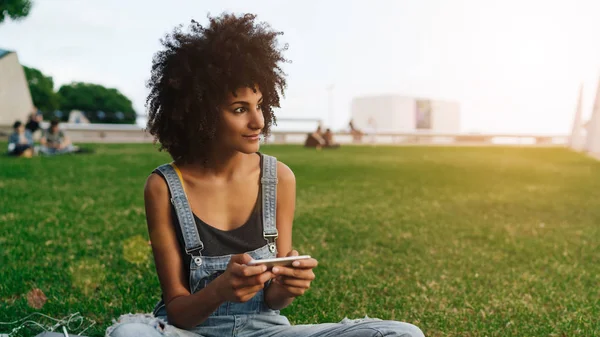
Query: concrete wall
point(119, 133)
point(446, 116)
point(403, 115)
point(15, 98)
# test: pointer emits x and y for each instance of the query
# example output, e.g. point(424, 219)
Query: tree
point(14, 9)
point(100, 104)
point(42, 90)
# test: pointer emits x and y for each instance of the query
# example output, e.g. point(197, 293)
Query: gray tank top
point(217, 242)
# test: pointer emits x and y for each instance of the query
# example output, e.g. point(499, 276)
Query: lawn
point(473, 241)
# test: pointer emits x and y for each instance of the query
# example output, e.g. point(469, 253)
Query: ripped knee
point(138, 325)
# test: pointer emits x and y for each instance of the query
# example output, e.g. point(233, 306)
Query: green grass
point(459, 241)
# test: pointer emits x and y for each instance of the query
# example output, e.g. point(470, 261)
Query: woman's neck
point(220, 165)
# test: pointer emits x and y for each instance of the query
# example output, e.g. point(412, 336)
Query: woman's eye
point(243, 109)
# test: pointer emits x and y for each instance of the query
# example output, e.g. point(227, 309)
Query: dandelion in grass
point(136, 250)
point(87, 275)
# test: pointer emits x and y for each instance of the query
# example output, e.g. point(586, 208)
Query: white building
point(394, 113)
point(15, 98)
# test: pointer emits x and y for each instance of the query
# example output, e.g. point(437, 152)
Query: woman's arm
point(183, 309)
point(239, 282)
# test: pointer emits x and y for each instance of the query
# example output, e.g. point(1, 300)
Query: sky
point(514, 66)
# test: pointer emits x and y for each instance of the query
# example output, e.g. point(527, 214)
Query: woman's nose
point(257, 120)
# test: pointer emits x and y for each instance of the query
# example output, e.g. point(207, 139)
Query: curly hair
point(192, 76)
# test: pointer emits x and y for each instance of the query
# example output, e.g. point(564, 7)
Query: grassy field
point(459, 241)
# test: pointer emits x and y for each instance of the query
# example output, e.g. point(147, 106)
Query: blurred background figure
point(315, 139)
point(34, 123)
point(356, 134)
point(54, 141)
point(328, 136)
point(320, 139)
point(20, 142)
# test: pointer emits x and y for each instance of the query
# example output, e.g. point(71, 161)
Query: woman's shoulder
point(285, 174)
point(155, 186)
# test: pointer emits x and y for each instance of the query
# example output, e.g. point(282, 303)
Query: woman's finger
point(306, 264)
point(292, 253)
point(304, 274)
point(292, 282)
point(295, 291)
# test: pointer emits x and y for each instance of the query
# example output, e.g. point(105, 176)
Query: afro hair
point(194, 72)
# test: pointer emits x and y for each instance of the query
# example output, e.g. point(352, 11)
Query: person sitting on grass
point(20, 142)
point(328, 136)
point(320, 140)
point(34, 122)
point(315, 139)
point(54, 141)
point(221, 203)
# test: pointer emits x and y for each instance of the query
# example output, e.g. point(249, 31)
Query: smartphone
point(279, 261)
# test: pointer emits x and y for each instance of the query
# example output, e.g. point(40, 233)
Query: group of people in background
point(52, 141)
point(319, 139)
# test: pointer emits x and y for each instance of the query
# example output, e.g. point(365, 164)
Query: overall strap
point(193, 244)
point(269, 200)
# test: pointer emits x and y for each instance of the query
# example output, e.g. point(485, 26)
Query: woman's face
point(242, 121)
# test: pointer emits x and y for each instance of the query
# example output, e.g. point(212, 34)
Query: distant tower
point(593, 130)
point(330, 104)
point(577, 141)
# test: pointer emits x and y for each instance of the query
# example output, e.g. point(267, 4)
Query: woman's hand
point(295, 280)
point(239, 282)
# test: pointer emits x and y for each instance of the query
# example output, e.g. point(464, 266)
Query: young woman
point(221, 203)
point(20, 142)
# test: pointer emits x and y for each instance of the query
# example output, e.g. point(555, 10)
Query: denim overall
point(252, 318)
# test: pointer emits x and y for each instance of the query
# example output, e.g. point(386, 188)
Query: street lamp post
point(330, 104)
